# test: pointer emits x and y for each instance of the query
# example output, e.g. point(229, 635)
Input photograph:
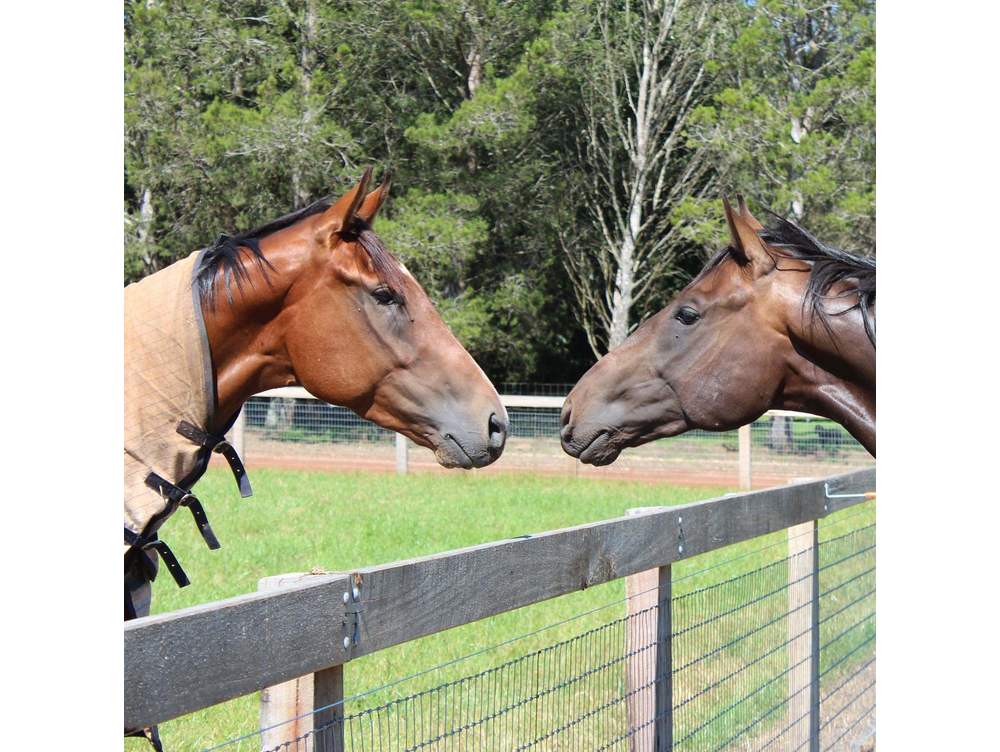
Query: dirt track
point(378, 460)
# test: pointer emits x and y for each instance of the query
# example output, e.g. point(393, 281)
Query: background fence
point(748, 624)
point(289, 428)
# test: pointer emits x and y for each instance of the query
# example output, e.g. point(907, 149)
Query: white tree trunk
point(646, 82)
point(300, 193)
point(621, 303)
point(280, 415)
point(145, 229)
point(475, 62)
point(780, 438)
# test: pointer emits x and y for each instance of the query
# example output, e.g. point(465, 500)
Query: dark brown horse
point(776, 320)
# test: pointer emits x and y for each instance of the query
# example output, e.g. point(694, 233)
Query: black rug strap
point(129, 604)
point(173, 566)
point(177, 496)
point(144, 565)
point(228, 451)
point(201, 520)
point(221, 446)
point(132, 538)
point(151, 734)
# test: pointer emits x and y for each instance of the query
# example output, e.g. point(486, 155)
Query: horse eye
point(384, 296)
point(687, 316)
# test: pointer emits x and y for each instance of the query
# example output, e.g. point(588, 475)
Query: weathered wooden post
point(745, 457)
point(237, 434)
point(803, 636)
point(649, 666)
point(299, 698)
point(402, 455)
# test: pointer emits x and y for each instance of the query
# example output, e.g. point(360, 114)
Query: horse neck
point(246, 336)
point(809, 388)
point(831, 371)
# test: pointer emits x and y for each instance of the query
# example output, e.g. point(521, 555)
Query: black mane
point(224, 254)
point(828, 266)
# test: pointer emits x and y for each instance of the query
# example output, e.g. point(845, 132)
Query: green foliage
point(793, 124)
point(236, 112)
point(437, 237)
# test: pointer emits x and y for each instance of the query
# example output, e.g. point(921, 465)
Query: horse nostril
point(496, 425)
point(567, 411)
point(566, 432)
point(497, 432)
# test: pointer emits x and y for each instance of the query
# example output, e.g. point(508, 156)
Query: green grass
point(298, 521)
point(340, 521)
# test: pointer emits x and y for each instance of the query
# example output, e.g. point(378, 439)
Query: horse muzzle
point(592, 445)
point(457, 446)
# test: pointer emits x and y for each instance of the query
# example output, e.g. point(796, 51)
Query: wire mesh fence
point(282, 431)
point(568, 695)
point(763, 646)
point(847, 637)
point(743, 650)
point(534, 388)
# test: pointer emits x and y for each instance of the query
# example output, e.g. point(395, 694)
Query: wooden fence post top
point(288, 711)
point(272, 581)
point(636, 511)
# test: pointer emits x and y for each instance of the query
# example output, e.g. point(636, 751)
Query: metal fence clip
point(826, 489)
point(352, 614)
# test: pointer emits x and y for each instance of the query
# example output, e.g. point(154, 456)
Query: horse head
point(327, 306)
point(743, 337)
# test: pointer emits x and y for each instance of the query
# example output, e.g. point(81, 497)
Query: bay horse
point(775, 320)
point(312, 299)
point(318, 302)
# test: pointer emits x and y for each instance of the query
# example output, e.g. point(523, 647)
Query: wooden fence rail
point(183, 661)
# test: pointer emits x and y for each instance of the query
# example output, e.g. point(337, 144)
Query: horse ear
point(374, 200)
point(339, 216)
point(745, 213)
point(747, 247)
point(734, 235)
